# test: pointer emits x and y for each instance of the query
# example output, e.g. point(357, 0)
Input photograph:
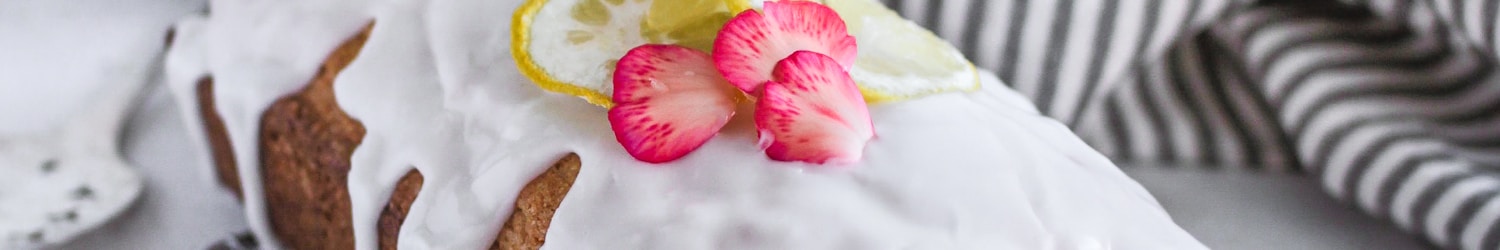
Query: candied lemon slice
point(897, 59)
point(571, 46)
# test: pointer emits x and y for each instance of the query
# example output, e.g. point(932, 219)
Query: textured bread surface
point(306, 141)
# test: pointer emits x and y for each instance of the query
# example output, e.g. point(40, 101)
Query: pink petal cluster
point(793, 58)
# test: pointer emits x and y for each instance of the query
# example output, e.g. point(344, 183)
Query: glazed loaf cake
point(375, 125)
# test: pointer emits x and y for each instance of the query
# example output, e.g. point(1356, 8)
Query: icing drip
point(976, 170)
point(256, 52)
point(437, 91)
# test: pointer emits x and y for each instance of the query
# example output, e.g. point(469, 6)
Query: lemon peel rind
point(874, 96)
point(520, 40)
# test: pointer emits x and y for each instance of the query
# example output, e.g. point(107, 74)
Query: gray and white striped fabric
point(1392, 104)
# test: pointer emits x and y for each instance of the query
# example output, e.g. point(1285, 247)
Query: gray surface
point(1235, 209)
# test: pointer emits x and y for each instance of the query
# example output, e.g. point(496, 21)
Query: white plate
point(50, 193)
point(69, 73)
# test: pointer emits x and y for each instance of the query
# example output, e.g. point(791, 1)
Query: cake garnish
point(564, 48)
point(898, 59)
point(669, 100)
point(570, 46)
point(751, 44)
point(811, 111)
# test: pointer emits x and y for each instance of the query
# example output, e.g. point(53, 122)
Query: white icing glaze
point(980, 170)
point(256, 52)
point(437, 91)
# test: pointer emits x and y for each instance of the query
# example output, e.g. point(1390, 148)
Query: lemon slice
point(742, 5)
point(571, 46)
point(899, 59)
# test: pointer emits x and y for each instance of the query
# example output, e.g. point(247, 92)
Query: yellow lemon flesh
point(571, 46)
point(898, 59)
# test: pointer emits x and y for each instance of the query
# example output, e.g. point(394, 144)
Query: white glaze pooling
point(256, 52)
point(954, 171)
point(437, 91)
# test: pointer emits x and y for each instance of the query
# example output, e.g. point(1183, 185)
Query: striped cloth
point(1392, 104)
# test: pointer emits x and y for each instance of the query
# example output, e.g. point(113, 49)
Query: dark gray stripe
point(1139, 72)
point(1415, 90)
point(1153, 111)
point(1265, 113)
point(1492, 238)
point(1457, 8)
point(1422, 207)
point(1385, 200)
point(1403, 14)
point(1221, 100)
point(1424, 62)
point(898, 5)
point(1365, 159)
point(1174, 70)
point(1393, 37)
point(1194, 7)
point(1489, 9)
point(1418, 63)
point(1465, 215)
point(1116, 124)
point(1416, 87)
point(1291, 15)
point(1007, 70)
point(935, 16)
point(1153, 16)
point(976, 15)
point(1195, 114)
point(1366, 156)
point(1100, 55)
point(1057, 44)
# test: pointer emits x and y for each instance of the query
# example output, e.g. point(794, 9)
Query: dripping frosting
point(437, 91)
point(256, 52)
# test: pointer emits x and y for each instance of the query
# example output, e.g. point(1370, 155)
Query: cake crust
point(218, 138)
point(306, 142)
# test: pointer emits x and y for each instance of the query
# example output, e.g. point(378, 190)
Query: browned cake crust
point(218, 138)
point(306, 143)
point(527, 226)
